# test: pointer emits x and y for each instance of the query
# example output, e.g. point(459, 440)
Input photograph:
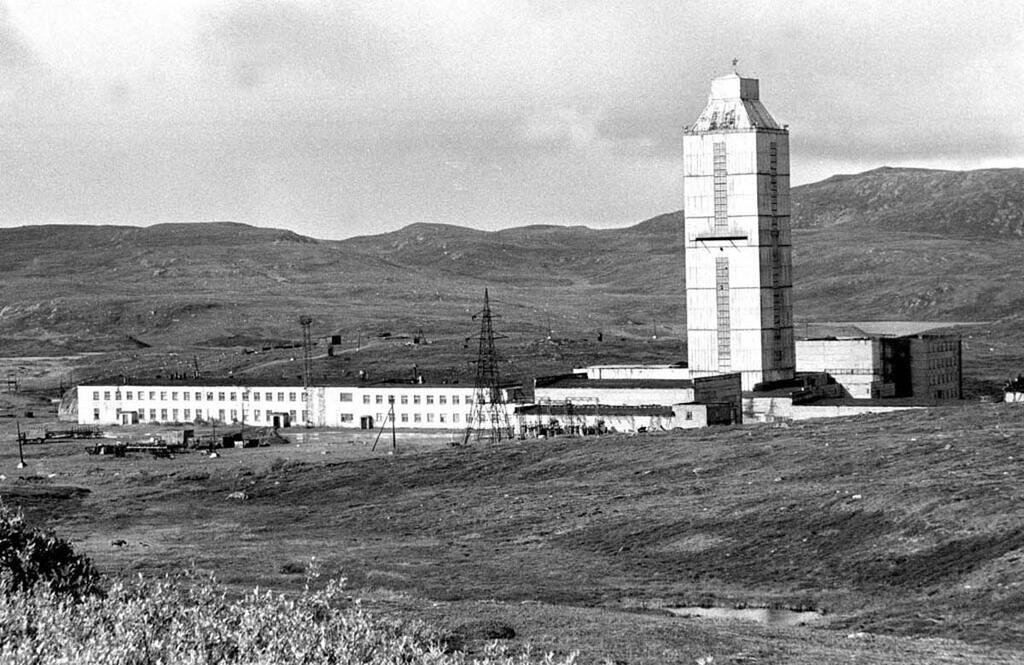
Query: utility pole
point(307, 366)
point(489, 416)
point(21, 451)
point(391, 417)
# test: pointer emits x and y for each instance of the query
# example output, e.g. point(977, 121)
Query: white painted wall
point(416, 406)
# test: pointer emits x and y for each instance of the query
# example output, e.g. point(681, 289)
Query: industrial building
point(739, 283)
point(359, 406)
point(744, 362)
point(739, 276)
point(628, 398)
point(922, 366)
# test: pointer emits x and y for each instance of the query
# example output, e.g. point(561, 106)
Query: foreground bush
point(187, 621)
point(29, 558)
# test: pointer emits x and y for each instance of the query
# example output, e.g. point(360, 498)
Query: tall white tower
point(739, 313)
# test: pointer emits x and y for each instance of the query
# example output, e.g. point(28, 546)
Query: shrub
point(29, 558)
point(190, 621)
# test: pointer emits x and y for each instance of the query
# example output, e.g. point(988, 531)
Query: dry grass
point(906, 524)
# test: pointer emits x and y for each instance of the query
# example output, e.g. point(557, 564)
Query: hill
point(886, 244)
point(972, 205)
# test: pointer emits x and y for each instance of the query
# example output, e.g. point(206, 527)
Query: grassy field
point(904, 529)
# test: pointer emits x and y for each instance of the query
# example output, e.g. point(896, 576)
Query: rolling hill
point(885, 244)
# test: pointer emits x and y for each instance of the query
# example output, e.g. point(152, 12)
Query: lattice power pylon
point(488, 420)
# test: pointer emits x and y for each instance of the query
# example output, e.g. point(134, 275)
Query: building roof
point(581, 381)
point(734, 103)
point(593, 410)
point(880, 328)
point(246, 382)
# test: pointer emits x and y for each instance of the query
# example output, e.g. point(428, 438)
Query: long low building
point(365, 406)
point(630, 398)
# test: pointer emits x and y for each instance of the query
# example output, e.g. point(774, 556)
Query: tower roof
point(734, 104)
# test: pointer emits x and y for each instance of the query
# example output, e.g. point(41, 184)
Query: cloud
point(15, 53)
point(257, 42)
point(353, 116)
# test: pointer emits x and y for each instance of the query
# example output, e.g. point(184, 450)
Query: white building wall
point(856, 363)
point(769, 409)
point(752, 333)
point(614, 396)
point(636, 372)
point(416, 406)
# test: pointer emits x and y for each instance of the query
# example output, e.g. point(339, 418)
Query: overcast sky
point(343, 118)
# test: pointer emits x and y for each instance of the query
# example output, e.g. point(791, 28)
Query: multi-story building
point(363, 405)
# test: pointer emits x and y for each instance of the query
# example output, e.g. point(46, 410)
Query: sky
point(355, 117)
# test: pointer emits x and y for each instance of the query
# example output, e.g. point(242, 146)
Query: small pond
point(767, 616)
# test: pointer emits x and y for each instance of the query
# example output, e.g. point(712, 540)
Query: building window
point(232, 397)
point(346, 397)
point(152, 394)
point(234, 415)
point(163, 414)
point(366, 399)
point(199, 397)
point(220, 415)
point(174, 415)
point(186, 395)
point(163, 396)
point(269, 396)
point(291, 414)
point(220, 397)
point(128, 395)
point(256, 396)
point(106, 394)
point(256, 415)
point(415, 399)
point(455, 399)
point(209, 397)
point(303, 397)
point(95, 414)
point(405, 417)
point(152, 414)
point(188, 414)
point(291, 397)
point(305, 415)
point(430, 417)
point(689, 415)
point(96, 395)
point(404, 399)
point(346, 417)
point(430, 399)
point(441, 399)
point(117, 394)
point(280, 397)
point(174, 396)
point(440, 417)
point(378, 399)
point(455, 417)
point(415, 417)
point(199, 414)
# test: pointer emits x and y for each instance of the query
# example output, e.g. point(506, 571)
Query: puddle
point(767, 616)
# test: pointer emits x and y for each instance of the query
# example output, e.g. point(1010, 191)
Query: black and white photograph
point(511, 332)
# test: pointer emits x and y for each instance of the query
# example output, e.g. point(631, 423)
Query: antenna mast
point(488, 420)
point(307, 367)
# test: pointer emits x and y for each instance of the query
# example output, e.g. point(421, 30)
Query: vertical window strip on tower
point(721, 186)
point(722, 310)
